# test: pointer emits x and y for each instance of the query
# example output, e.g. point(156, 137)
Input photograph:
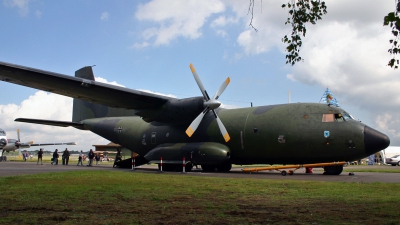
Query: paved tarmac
point(26, 168)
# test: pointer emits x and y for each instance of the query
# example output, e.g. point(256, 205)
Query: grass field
point(98, 197)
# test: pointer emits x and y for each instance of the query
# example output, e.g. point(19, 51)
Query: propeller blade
point(193, 126)
point(222, 88)
point(199, 83)
point(18, 135)
point(222, 128)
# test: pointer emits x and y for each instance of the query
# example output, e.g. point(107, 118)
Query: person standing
point(91, 156)
point(40, 157)
point(66, 156)
point(55, 157)
point(97, 157)
point(118, 157)
point(80, 159)
point(63, 158)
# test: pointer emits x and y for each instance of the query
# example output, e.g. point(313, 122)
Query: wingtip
point(228, 80)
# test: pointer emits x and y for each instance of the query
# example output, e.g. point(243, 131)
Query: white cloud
point(38, 13)
point(47, 106)
point(140, 45)
point(158, 93)
point(175, 19)
point(22, 5)
point(104, 16)
point(103, 80)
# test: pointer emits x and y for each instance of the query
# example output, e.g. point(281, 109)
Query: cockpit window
point(336, 117)
point(347, 116)
point(339, 117)
point(327, 118)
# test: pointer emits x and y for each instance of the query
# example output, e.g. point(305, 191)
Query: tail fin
point(86, 110)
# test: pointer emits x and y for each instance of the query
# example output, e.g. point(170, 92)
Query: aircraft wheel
point(398, 163)
point(283, 173)
point(188, 167)
point(226, 167)
point(333, 170)
point(1, 158)
point(208, 168)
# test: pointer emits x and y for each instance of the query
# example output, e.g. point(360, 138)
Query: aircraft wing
point(52, 123)
point(80, 88)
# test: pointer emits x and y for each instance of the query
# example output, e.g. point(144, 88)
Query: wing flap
point(80, 88)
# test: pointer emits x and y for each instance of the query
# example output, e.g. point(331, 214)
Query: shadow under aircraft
point(158, 127)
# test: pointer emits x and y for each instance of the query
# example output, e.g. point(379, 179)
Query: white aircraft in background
point(8, 145)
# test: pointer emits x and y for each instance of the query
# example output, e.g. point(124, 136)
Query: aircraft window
point(347, 116)
point(339, 117)
point(167, 135)
point(327, 118)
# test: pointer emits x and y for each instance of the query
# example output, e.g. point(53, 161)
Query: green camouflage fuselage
point(289, 133)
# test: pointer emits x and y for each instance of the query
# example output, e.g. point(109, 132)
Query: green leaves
point(300, 13)
point(393, 20)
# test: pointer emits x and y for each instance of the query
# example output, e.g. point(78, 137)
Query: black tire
point(208, 168)
point(226, 167)
point(398, 163)
point(188, 167)
point(333, 170)
point(1, 158)
point(283, 173)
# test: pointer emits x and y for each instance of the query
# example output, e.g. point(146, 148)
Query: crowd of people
point(91, 156)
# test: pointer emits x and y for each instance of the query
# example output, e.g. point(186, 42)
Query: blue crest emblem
point(326, 134)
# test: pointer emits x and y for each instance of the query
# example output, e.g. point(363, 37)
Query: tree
point(310, 11)
point(393, 20)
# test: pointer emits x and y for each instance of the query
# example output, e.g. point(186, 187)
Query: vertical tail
point(86, 110)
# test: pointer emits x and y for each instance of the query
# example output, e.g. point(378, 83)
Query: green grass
point(98, 197)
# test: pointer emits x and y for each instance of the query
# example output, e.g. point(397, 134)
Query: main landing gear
point(333, 170)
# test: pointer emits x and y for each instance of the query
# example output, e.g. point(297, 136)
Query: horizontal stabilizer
point(42, 144)
point(52, 123)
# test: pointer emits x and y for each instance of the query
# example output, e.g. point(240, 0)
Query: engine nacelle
point(3, 142)
point(201, 153)
point(175, 111)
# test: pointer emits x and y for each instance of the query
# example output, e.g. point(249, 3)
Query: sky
point(148, 45)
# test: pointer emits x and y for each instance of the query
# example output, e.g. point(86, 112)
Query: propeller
point(210, 104)
point(18, 142)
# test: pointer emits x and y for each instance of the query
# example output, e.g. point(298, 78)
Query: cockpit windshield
point(347, 116)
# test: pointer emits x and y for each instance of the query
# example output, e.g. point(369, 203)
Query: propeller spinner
point(210, 104)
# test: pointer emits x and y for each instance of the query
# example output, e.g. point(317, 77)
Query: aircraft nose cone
point(374, 141)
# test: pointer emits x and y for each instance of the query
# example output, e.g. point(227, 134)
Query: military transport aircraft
point(8, 145)
point(158, 127)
